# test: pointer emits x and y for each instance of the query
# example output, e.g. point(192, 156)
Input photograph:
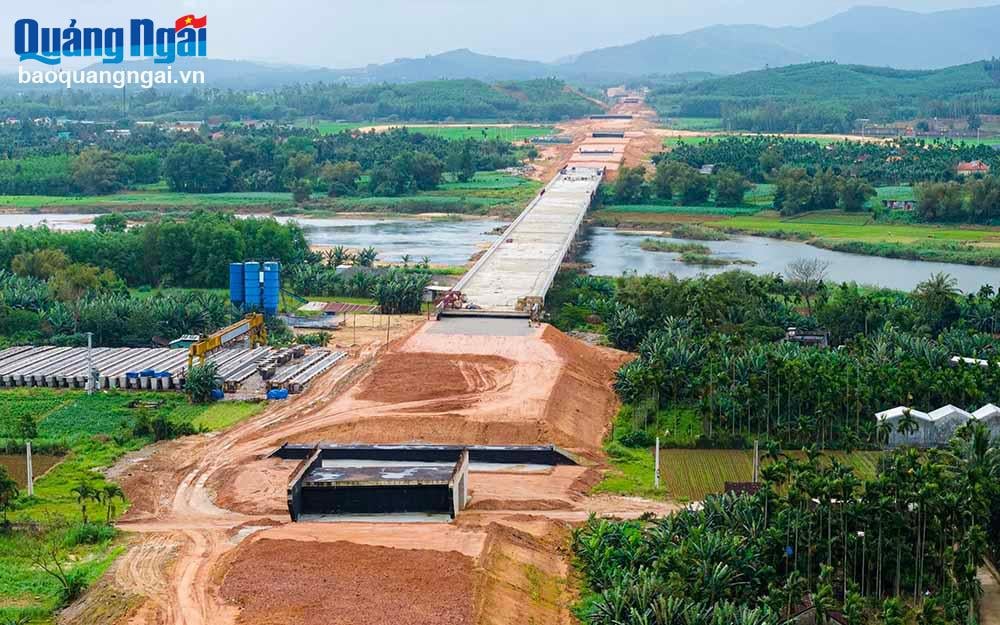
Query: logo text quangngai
point(188, 37)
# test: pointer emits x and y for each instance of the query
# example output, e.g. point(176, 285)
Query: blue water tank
point(272, 288)
point(251, 285)
point(236, 283)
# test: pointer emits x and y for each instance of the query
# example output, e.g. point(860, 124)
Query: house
point(903, 205)
point(707, 169)
point(972, 168)
point(185, 126)
point(812, 338)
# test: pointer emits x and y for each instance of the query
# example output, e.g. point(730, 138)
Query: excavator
point(251, 328)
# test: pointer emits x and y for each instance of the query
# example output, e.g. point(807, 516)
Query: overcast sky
point(350, 33)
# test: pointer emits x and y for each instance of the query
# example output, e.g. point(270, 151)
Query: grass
point(685, 474)
point(328, 127)
point(690, 474)
point(131, 200)
point(485, 193)
point(667, 209)
point(661, 245)
point(695, 123)
point(97, 430)
point(452, 132)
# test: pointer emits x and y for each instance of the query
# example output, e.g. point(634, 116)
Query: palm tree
point(406, 260)
point(108, 495)
point(85, 492)
point(366, 257)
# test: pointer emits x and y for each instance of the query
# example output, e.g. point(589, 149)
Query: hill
point(862, 35)
point(457, 64)
point(830, 96)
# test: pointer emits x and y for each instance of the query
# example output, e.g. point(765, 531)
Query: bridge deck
point(524, 261)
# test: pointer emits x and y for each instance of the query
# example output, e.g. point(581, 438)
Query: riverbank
point(486, 194)
point(852, 233)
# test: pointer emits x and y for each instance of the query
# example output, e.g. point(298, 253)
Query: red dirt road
point(212, 544)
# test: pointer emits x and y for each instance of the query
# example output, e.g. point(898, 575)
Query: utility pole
point(756, 460)
point(90, 363)
point(30, 471)
point(656, 465)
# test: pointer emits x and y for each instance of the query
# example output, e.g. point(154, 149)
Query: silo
point(251, 285)
point(236, 283)
point(272, 288)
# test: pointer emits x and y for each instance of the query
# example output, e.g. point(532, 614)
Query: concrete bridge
point(517, 271)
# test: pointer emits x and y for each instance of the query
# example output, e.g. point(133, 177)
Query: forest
point(55, 286)
point(901, 547)
point(906, 161)
point(717, 346)
point(441, 100)
point(392, 163)
point(830, 97)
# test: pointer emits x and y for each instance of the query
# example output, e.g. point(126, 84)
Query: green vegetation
point(714, 345)
point(458, 132)
point(660, 245)
point(829, 97)
point(429, 101)
point(73, 500)
point(898, 544)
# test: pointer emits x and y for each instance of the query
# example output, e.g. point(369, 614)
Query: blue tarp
point(217, 393)
point(277, 393)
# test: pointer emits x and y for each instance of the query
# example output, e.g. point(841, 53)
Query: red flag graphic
point(190, 21)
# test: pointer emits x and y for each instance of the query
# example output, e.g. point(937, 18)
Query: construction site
point(433, 478)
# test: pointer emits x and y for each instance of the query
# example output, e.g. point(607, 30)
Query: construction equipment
point(250, 328)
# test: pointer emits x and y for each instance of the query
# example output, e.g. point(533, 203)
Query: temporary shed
point(920, 437)
point(989, 415)
point(945, 420)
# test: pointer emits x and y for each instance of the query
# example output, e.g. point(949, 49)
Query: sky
point(353, 33)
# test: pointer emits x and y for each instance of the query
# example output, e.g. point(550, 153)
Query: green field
point(452, 132)
point(97, 430)
point(149, 200)
point(691, 474)
point(327, 127)
point(487, 192)
point(661, 209)
point(838, 225)
point(694, 123)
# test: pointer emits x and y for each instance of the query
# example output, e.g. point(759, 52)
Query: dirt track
point(212, 543)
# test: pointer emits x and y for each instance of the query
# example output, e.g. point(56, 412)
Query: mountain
point(458, 64)
point(863, 35)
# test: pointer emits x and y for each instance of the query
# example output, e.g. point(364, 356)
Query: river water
point(613, 252)
point(445, 242)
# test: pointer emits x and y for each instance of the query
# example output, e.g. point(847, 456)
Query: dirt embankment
point(288, 582)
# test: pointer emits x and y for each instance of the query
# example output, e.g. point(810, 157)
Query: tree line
point(397, 162)
point(438, 100)
point(676, 182)
point(899, 547)
point(716, 345)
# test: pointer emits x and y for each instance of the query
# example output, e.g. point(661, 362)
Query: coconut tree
point(108, 494)
point(85, 492)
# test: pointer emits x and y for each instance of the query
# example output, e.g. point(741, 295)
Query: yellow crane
point(250, 327)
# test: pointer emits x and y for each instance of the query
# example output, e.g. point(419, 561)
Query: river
point(613, 252)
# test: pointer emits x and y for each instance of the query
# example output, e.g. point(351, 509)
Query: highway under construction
point(514, 275)
point(439, 453)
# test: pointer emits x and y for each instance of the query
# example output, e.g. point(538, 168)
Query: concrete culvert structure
point(342, 482)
